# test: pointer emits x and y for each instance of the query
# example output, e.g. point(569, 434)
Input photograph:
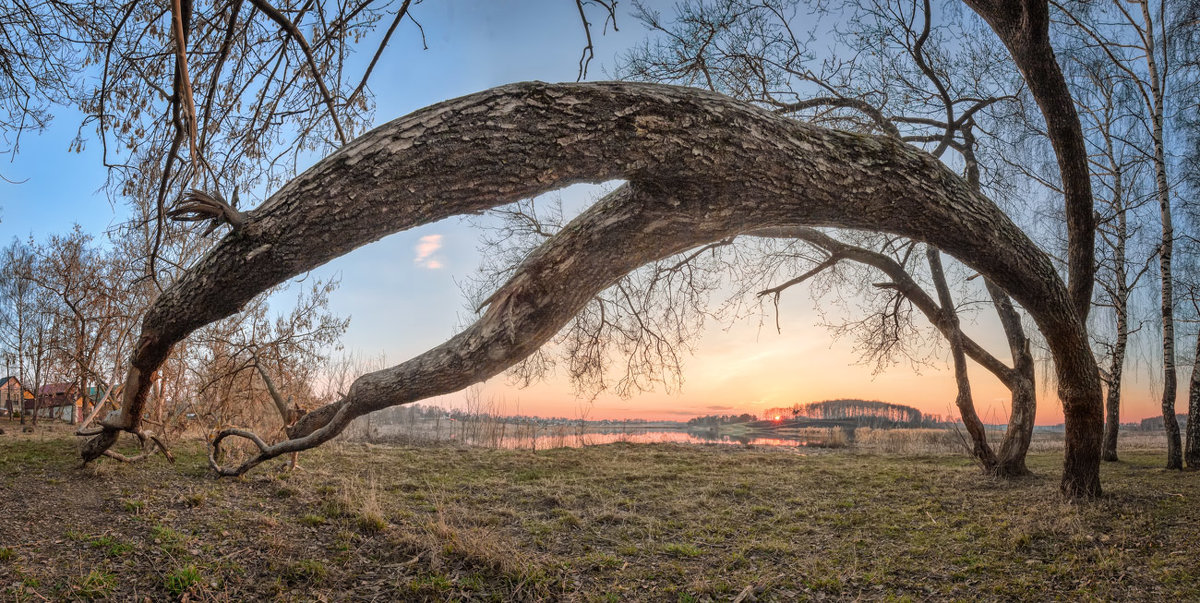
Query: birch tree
point(1137, 40)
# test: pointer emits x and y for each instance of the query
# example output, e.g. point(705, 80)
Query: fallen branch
point(150, 443)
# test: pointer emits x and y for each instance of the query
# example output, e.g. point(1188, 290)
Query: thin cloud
point(426, 247)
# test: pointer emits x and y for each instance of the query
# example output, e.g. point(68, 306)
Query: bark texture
point(700, 166)
point(1010, 459)
point(1191, 453)
point(1024, 28)
point(1166, 250)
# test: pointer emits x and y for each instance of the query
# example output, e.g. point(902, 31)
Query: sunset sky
point(402, 293)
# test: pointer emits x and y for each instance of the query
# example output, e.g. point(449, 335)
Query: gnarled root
point(325, 423)
point(101, 445)
point(98, 445)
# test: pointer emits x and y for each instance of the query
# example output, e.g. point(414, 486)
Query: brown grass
point(619, 522)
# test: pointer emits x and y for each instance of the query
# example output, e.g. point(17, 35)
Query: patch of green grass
point(313, 520)
point(435, 583)
point(134, 506)
point(370, 522)
point(7, 554)
point(169, 540)
point(336, 508)
point(182, 580)
point(567, 519)
point(95, 585)
point(306, 571)
point(681, 550)
point(111, 546)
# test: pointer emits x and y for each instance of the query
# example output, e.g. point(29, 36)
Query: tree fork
point(703, 167)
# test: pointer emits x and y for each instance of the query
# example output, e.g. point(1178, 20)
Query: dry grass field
point(621, 522)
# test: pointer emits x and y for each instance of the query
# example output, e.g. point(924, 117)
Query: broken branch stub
point(701, 167)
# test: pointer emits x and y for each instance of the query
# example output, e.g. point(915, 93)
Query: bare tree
point(1108, 110)
point(234, 355)
point(1140, 50)
point(1185, 33)
point(897, 80)
point(26, 323)
point(87, 304)
point(701, 168)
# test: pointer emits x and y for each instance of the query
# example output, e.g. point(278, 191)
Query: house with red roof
point(60, 401)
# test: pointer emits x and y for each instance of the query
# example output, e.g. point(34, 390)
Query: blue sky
point(402, 294)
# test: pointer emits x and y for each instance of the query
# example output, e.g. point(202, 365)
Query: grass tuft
point(306, 572)
point(182, 581)
point(95, 585)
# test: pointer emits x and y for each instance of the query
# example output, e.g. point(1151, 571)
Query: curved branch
point(902, 282)
point(214, 451)
point(288, 26)
point(871, 111)
point(828, 263)
point(702, 167)
point(1024, 28)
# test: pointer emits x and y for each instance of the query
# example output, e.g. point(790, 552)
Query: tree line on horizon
point(869, 413)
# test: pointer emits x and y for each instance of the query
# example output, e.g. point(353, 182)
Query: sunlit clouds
point(426, 249)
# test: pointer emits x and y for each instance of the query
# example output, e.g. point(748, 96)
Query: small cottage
point(58, 401)
point(11, 395)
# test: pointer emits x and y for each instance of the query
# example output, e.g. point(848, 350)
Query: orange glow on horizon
point(743, 370)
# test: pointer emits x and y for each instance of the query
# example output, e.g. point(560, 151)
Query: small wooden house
point(60, 401)
point(11, 395)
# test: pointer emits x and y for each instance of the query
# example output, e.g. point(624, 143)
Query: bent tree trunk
point(1192, 449)
point(966, 405)
point(700, 167)
point(1010, 461)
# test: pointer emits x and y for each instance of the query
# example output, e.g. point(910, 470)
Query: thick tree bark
point(701, 167)
point(1192, 450)
point(1024, 28)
